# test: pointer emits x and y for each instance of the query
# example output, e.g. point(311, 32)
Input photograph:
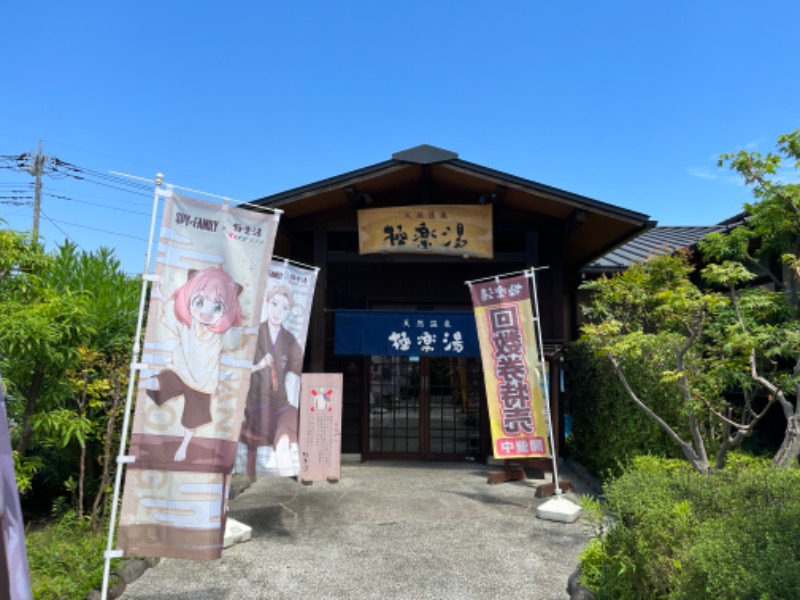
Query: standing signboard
point(320, 427)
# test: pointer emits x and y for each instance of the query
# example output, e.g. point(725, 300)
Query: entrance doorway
point(425, 408)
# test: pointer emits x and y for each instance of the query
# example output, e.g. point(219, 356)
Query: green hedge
point(674, 533)
point(608, 429)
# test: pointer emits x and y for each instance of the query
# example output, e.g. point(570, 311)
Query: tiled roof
point(653, 242)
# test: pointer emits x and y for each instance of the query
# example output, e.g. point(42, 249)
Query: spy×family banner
point(205, 308)
point(269, 441)
point(507, 336)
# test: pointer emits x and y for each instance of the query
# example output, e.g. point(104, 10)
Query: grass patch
point(66, 561)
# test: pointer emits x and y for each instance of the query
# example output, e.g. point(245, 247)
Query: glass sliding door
point(428, 407)
point(394, 406)
point(453, 407)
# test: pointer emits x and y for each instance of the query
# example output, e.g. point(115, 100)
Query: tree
point(654, 314)
point(40, 328)
point(20, 256)
point(766, 319)
point(711, 331)
point(67, 326)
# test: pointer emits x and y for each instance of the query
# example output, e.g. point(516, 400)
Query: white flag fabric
point(200, 340)
point(268, 442)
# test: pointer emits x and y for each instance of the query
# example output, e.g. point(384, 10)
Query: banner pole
point(225, 199)
point(497, 277)
point(295, 262)
point(546, 387)
point(121, 458)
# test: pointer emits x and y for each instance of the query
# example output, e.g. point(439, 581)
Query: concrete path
point(387, 530)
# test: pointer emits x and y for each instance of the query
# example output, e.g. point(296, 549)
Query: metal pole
point(543, 378)
point(109, 553)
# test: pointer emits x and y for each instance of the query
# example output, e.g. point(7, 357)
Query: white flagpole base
point(236, 532)
point(559, 509)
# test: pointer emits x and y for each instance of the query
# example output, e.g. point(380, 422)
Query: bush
point(679, 534)
point(608, 429)
point(65, 559)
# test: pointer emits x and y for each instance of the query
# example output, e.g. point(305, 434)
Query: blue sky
point(627, 102)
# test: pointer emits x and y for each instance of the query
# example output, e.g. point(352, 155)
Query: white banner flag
point(268, 443)
point(202, 325)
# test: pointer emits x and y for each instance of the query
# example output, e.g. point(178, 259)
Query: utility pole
point(36, 168)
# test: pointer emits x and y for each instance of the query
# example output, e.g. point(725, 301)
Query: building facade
point(395, 243)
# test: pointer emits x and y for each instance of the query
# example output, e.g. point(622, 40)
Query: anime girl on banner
point(200, 342)
point(268, 441)
point(510, 358)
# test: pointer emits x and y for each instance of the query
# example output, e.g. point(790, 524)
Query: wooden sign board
point(451, 229)
point(320, 429)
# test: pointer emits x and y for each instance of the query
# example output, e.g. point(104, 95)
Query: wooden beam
point(575, 221)
point(342, 257)
point(499, 194)
point(317, 349)
point(352, 196)
point(425, 184)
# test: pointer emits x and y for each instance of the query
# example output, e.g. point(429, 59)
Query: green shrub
point(65, 559)
point(678, 534)
point(608, 429)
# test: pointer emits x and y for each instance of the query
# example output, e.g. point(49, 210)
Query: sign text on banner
point(405, 333)
point(507, 336)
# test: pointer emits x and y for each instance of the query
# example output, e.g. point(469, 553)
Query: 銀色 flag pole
point(122, 458)
point(558, 508)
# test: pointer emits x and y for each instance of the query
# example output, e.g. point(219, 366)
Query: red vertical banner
point(200, 340)
point(507, 337)
point(320, 426)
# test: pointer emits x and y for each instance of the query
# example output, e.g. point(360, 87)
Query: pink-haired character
point(205, 315)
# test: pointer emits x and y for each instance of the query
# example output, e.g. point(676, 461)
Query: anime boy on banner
point(268, 441)
point(507, 336)
point(205, 303)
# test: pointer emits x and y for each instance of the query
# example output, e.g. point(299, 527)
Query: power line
point(56, 168)
point(67, 198)
point(108, 199)
point(134, 237)
point(111, 181)
point(53, 223)
point(38, 164)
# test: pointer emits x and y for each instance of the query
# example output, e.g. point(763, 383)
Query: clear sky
point(627, 102)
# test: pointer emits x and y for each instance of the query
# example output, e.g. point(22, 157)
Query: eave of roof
point(552, 191)
point(286, 196)
point(654, 242)
point(431, 155)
